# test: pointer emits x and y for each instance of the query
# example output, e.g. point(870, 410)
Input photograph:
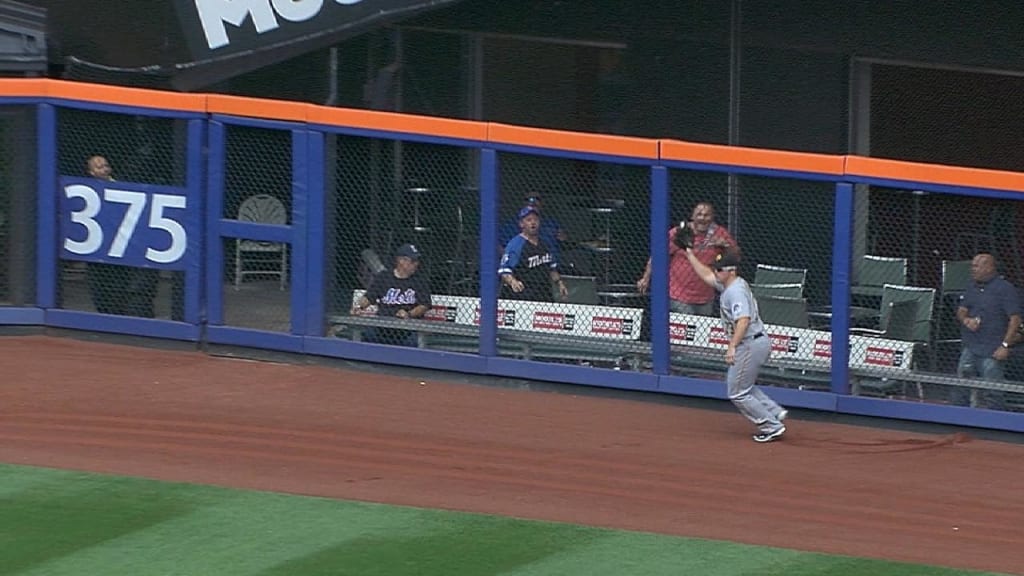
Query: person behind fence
point(528, 267)
point(687, 293)
point(989, 316)
point(551, 231)
point(121, 290)
point(749, 347)
point(399, 292)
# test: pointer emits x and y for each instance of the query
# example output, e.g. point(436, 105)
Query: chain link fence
point(908, 284)
point(139, 149)
point(18, 179)
point(573, 236)
point(403, 227)
point(257, 189)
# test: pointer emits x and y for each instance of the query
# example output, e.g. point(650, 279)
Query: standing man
point(528, 266)
point(749, 347)
point(117, 289)
point(687, 293)
point(104, 279)
point(989, 316)
point(397, 293)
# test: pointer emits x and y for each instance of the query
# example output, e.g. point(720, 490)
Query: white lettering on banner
point(214, 14)
point(553, 320)
point(785, 343)
point(441, 314)
point(877, 356)
point(822, 348)
point(685, 332)
point(136, 205)
point(506, 318)
point(86, 218)
point(603, 325)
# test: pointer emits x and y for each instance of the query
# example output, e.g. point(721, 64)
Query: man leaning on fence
point(989, 316)
point(400, 292)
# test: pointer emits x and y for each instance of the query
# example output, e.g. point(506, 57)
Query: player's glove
point(683, 238)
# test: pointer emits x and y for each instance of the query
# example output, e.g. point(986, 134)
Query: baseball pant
point(750, 400)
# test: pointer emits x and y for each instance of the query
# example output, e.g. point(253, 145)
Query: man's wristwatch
point(1005, 344)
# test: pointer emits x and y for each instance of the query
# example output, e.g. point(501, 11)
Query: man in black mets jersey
point(528, 266)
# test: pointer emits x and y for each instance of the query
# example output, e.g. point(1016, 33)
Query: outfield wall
point(184, 163)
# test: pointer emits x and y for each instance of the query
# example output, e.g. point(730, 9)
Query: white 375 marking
point(136, 202)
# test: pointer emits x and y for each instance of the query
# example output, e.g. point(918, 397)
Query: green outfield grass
point(57, 523)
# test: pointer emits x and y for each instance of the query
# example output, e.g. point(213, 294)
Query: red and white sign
point(718, 336)
point(606, 325)
point(549, 320)
point(822, 348)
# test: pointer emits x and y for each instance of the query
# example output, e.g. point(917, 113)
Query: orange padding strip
point(579, 142)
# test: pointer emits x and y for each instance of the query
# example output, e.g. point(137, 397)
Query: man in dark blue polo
point(989, 316)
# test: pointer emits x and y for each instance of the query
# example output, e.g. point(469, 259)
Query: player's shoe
point(763, 437)
point(782, 415)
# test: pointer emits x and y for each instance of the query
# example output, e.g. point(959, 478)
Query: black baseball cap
point(409, 251)
point(725, 260)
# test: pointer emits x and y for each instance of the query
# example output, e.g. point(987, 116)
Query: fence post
point(316, 234)
point(842, 257)
point(195, 171)
point(658, 288)
point(488, 254)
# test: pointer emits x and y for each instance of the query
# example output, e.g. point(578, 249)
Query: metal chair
point(956, 276)
point(783, 311)
point(878, 271)
point(262, 209)
point(768, 274)
point(777, 290)
point(581, 289)
point(917, 328)
point(899, 319)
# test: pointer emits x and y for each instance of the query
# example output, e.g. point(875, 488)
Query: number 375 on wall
point(123, 223)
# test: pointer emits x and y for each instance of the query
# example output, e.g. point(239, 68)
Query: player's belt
point(755, 336)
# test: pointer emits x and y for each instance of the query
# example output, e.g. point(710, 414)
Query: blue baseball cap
point(527, 210)
point(409, 251)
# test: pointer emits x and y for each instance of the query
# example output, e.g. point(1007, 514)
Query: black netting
point(257, 188)
point(915, 266)
point(592, 220)
point(18, 179)
point(386, 194)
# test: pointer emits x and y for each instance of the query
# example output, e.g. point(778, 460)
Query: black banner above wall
point(216, 28)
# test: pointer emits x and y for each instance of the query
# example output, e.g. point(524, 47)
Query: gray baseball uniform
point(737, 302)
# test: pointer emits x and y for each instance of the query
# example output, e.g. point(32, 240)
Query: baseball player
point(749, 347)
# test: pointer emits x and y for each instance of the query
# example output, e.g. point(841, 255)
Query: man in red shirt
point(687, 293)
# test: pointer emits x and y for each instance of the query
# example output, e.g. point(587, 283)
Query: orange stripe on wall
point(516, 135)
point(752, 157)
point(573, 141)
point(262, 108)
point(120, 95)
point(28, 87)
point(934, 173)
point(392, 121)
